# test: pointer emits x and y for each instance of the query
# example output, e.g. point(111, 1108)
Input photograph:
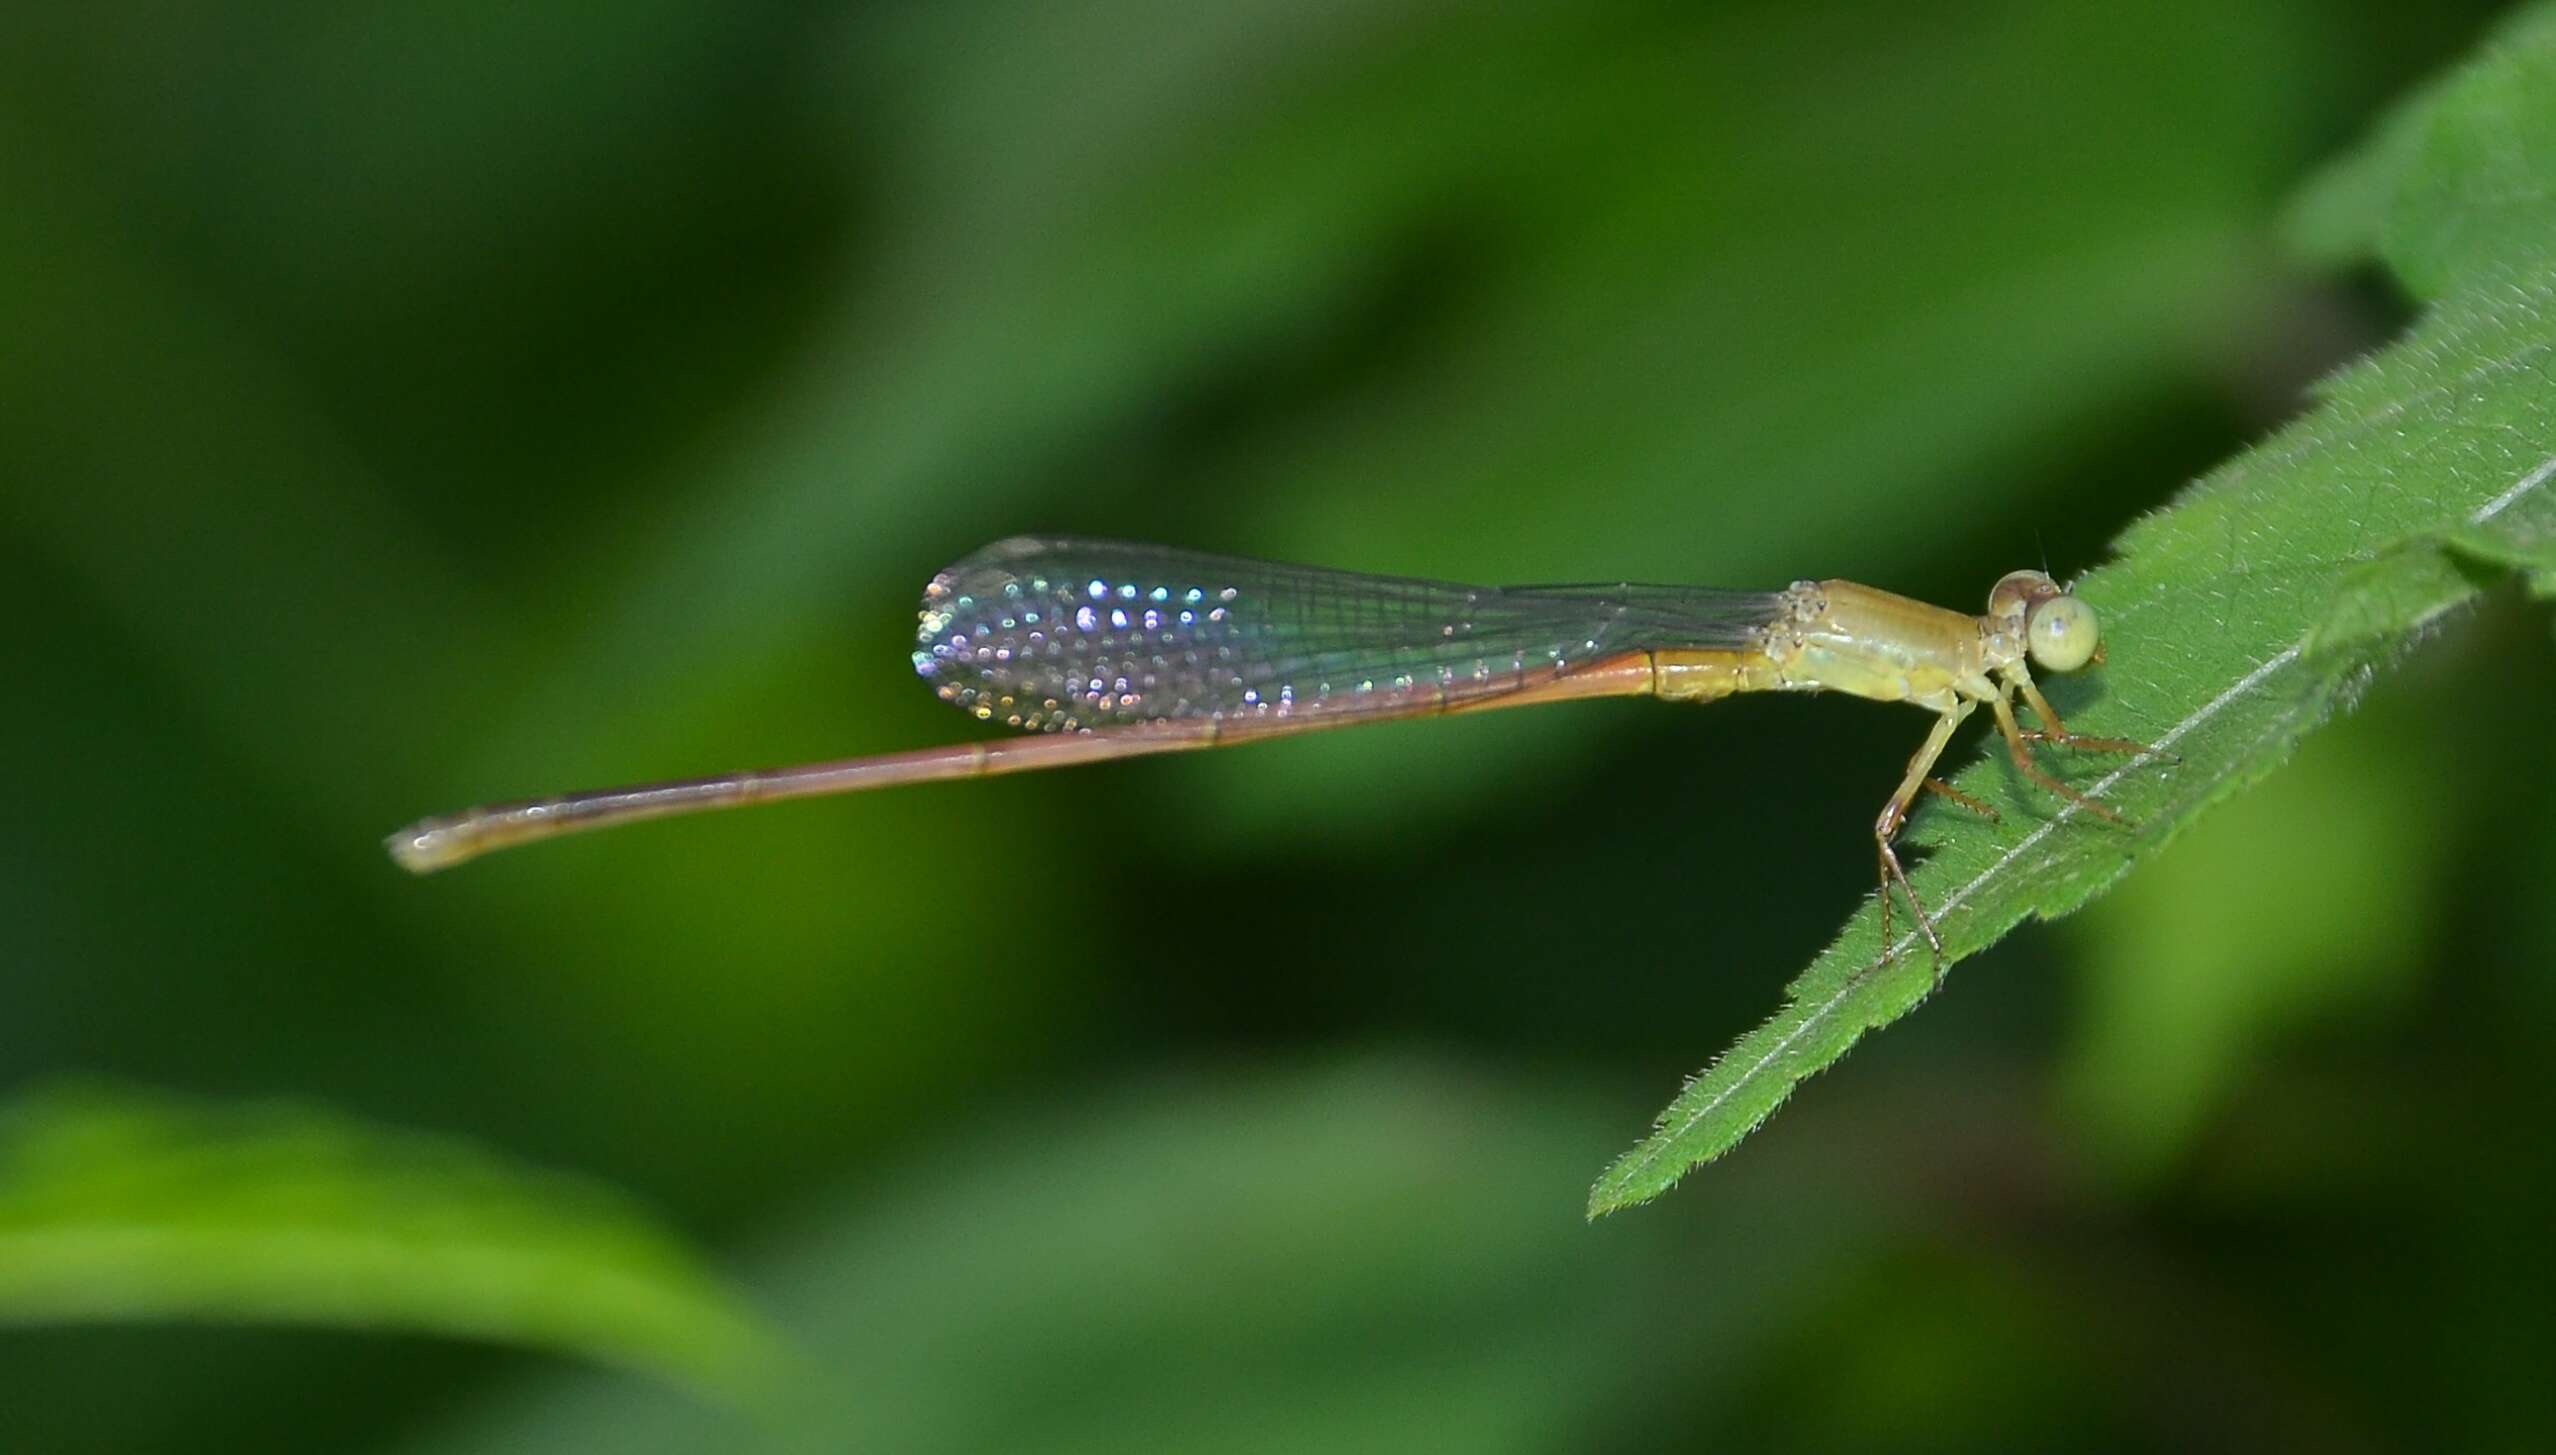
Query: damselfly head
point(2058, 630)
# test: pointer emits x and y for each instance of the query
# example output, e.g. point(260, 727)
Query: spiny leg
point(2097, 745)
point(1893, 815)
point(1939, 786)
point(2014, 736)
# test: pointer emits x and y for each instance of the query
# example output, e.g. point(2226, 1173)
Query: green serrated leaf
point(2211, 616)
point(2534, 557)
point(117, 1206)
point(2406, 583)
point(2256, 605)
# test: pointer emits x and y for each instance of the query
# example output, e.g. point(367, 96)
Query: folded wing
point(1064, 635)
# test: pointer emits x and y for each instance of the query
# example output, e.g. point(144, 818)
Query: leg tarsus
point(2098, 745)
point(2022, 756)
point(2055, 732)
point(1892, 873)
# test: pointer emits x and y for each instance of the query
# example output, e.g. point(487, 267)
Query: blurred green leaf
point(2453, 183)
point(2194, 963)
point(1337, 1257)
point(2239, 618)
point(123, 1206)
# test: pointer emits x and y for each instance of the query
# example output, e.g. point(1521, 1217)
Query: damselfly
point(1111, 650)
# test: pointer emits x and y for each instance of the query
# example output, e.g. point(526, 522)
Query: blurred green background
point(408, 406)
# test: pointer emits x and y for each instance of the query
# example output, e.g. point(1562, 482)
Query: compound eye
point(2061, 634)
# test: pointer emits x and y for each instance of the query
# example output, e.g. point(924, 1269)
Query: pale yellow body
point(1839, 636)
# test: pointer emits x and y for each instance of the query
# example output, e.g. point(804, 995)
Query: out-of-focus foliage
point(401, 409)
point(2187, 986)
point(2452, 187)
point(1099, 1257)
point(119, 1207)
